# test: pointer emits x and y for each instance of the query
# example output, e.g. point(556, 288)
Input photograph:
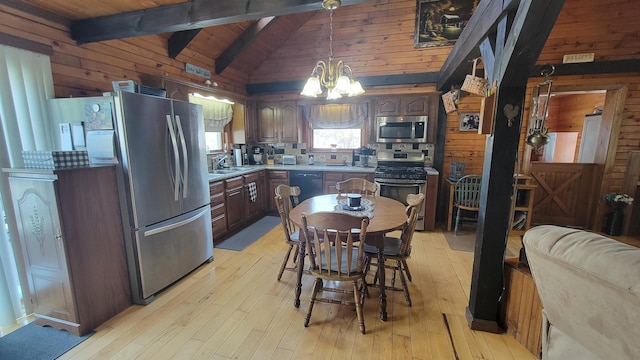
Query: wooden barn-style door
point(566, 194)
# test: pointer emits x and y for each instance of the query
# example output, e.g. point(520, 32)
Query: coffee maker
point(257, 156)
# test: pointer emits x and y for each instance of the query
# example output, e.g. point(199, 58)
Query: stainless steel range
point(399, 174)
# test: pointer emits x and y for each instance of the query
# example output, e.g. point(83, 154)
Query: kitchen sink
point(225, 171)
point(230, 170)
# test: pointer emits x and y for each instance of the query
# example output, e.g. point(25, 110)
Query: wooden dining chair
point(466, 196)
point(336, 241)
point(357, 186)
point(286, 198)
point(398, 249)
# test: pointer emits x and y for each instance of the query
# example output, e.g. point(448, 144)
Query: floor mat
point(35, 342)
point(249, 234)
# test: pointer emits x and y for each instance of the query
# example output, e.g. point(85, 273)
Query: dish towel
point(253, 192)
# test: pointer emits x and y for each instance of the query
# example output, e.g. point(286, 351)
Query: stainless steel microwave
point(401, 129)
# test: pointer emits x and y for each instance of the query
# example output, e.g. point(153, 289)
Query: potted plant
point(615, 218)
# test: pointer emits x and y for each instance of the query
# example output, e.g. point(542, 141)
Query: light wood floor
point(233, 308)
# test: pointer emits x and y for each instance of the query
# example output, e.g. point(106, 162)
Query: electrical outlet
point(578, 58)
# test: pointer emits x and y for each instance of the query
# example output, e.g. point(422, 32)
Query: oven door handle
point(396, 184)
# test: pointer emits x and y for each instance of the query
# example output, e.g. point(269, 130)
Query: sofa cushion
point(589, 286)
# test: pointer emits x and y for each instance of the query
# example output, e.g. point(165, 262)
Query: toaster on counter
point(288, 160)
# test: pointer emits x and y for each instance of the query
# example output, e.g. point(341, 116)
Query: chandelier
point(540, 105)
point(337, 78)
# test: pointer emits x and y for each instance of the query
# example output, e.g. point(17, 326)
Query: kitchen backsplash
point(325, 157)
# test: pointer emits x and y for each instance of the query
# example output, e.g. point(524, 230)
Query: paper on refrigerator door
point(100, 146)
point(65, 137)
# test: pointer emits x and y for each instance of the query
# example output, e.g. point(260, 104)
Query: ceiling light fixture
point(338, 79)
point(539, 110)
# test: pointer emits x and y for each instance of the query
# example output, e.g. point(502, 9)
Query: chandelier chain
point(330, 35)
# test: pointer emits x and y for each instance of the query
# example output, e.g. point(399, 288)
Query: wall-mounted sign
point(196, 70)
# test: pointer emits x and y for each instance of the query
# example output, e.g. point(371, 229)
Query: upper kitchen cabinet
point(250, 122)
point(175, 90)
point(277, 122)
point(243, 126)
point(402, 105)
point(407, 105)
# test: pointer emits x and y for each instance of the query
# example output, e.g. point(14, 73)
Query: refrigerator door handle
point(185, 170)
point(176, 158)
point(176, 225)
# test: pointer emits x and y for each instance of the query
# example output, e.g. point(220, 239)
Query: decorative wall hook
point(511, 111)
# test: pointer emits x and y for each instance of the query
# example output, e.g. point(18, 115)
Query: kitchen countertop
point(246, 169)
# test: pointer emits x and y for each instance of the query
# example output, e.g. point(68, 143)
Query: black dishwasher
point(310, 183)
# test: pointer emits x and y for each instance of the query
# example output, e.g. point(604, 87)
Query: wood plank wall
point(89, 69)
point(375, 38)
point(567, 113)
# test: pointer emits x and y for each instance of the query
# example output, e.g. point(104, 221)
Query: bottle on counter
point(311, 160)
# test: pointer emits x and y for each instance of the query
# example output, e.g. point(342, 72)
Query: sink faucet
point(221, 161)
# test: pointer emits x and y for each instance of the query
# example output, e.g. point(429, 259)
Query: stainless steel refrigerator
point(159, 146)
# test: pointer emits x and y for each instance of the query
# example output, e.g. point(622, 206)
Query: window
point(213, 141)
point(344, 138)
point(339, 124)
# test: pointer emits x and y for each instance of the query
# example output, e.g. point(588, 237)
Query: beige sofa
point(589, 286)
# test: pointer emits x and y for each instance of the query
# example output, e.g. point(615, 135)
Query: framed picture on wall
point(440, 22)
point(469, 121)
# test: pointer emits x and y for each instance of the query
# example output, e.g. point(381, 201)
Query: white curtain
point(25, 85)
point(336, 116)
point(216, 114)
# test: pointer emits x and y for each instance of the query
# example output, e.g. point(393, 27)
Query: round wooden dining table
point(387, 215)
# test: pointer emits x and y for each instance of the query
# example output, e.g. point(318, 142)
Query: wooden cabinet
point(218, 210)
point(234, 197)
point(231, 205)
point(71, 238)
point(402, 105)
point(175, 90)
point(277, 122)
point(250, 122)
point(431, 202)
point(522, 210)
point(254, 204)
point(521, 312)
point(276, 177)
point(331, 178)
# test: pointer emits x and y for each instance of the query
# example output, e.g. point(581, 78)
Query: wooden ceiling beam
point(189, 15)
point(242, 42)
point(531, 28)
point(179, 40)
point(483, 21)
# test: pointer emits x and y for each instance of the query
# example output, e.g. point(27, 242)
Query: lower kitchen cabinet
point(234, 197)
point(254, 195)
point(276, 177)
point(218, 210)
point(71, 239)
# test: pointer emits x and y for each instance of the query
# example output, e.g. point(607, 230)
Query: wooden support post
point(501, 150)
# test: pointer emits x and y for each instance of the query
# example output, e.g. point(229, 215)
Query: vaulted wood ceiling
point(238, 33)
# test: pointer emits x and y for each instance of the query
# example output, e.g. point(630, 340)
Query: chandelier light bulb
point(312, 87)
